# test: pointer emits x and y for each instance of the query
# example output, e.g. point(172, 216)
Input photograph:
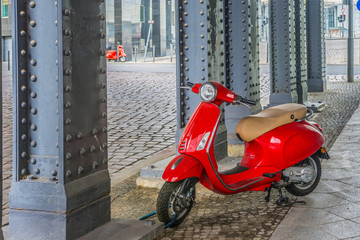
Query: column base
point(316, 85)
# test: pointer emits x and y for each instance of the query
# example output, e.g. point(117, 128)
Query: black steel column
point(315, 45)
point(242, 62)
point(282, 52)
point(61, 184)
point(200, 57)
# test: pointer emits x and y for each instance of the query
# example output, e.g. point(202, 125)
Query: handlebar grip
point(247, 101)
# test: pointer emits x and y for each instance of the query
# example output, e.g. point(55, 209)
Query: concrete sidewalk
point(332, 211)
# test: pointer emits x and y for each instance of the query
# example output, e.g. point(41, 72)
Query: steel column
point(315, 45)
point(61, 184)
point(301, 62)
point(159, 27)
point(200, 57)
point(1, 135)
point(242, 61)
point(283, 52)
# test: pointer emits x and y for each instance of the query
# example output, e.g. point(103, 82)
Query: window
point(5, 8)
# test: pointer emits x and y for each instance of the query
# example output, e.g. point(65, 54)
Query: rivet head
point(104, 145)
point(23, 104)
point(104, 160)
point(34, 111)
point(67, 105)
point(33, 43)
point(79, 135)
point(53, 172)
point(33, 23)
point(80, 170)
point(33, 127)
point(103, 35)
point(92, 148)
point(67, 89)
point(23, 171)
point(23, 53)
point(33, 62)
point(68, 173)
point(33, 94)
point(23, 72)
point(68, 156)
point(68, 138)
point(33, 161)
point(22, 13)
point(102, 53)
point(37, 171)
point(103, 115)
point(104, 129)
point(66, 32)
point(32, 4)
point(22, 33)
point(33, 143)
point(23, 88)
point(23, 121)
point(102, 17)
point(23, 154)
point(67, 72)
point(103, 70)
point(68, 121)
point(66, 12)
point(82, 151)
point(33, 78)
point(67, 52)
point(94, 131)
point(103, 85)
point(23, 137)
point(103, 99)
point(95, 164)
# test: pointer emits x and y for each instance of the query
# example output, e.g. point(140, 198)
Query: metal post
point(153, 53)
point(242, 63)
point(147, 42)
point(61, 185)
point(315, 45)
point(282, 52)
point(171, 51)
point(351, 43)
point(117, 52)
point(8, 60)
point(1, 137)
point(136, 50)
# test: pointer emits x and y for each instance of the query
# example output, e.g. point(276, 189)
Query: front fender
point(182, 167)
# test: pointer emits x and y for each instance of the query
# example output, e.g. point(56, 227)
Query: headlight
point(208, 92)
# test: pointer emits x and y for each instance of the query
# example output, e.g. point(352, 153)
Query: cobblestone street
point(142, 122)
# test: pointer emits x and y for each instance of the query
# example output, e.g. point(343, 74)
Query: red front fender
point(182, 167)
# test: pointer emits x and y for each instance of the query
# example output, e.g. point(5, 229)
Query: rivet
point(23, 72)
point(67, 52)
point(33, 127)
point(95, 164)
point(68, 173)
point(23, 120)
point(22, 13)
point(23, 137)
point(37, 171)
point(53, 172)
point(104, 129)
point(68, 138)
point(102, 35)
point(66, 32)
point(103, 85)
point(103, 115)
point(82, 151)
point(32, 4)
point(103, 70)
point(34, 111)
point(33, 43)
point(68, 121)
point(103, 99)
point(32, 23)
point(94, 131)
point(23, 171)
point(33, 143)
point(22, 33)
point(66, 12)
point(102, 53)
point(23, 104)
point(102, 17)
point(33, 94)
point(23, 154)
point(33, 161)
point(23, 88)
point(33, 78)
point(92, 148)
point(104, 160)
point(79, 135)
point(68, 156)
point(67, 89)
point(67, 105)
point(67, 72)
point(104, 145)
point(80, 170)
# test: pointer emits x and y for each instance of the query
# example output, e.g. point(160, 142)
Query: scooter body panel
point(182, 167)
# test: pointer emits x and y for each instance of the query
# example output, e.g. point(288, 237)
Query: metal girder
point(200, 57)
point(301, 62)
point(61, 184)
point(242, 59)
point(283, 52)
point(315, 45)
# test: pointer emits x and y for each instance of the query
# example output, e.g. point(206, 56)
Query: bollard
point(171, 51)
point(153, 53)
point(136, 49)
point(117, 52)
point(8, 60)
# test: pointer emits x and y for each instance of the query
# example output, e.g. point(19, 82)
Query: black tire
point(123, 59)
point(167, 200)
point(301, 189)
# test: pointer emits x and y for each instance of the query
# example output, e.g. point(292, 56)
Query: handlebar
point(239, 99)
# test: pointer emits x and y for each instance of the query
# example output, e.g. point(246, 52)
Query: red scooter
point(282, 149)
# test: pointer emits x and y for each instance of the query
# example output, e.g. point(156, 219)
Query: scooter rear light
point(203, 142)
point(317, 126)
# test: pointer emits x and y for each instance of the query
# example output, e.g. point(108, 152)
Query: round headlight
point(208, 92)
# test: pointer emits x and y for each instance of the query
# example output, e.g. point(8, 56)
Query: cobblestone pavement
point(247, 215)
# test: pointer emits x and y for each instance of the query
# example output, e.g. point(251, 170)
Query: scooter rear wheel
point(302, 189)
point(169, 203)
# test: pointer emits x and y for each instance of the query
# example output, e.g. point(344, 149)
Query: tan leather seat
point(253, 126)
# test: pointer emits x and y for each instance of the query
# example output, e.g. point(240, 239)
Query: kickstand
point(267, 198)
point(283, 200)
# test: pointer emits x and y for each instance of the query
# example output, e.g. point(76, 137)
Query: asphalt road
point(171, 68)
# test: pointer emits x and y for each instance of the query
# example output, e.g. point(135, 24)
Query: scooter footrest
point(271, 175)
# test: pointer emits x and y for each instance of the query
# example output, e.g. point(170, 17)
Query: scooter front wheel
point(172, 203)
point(302, 189)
